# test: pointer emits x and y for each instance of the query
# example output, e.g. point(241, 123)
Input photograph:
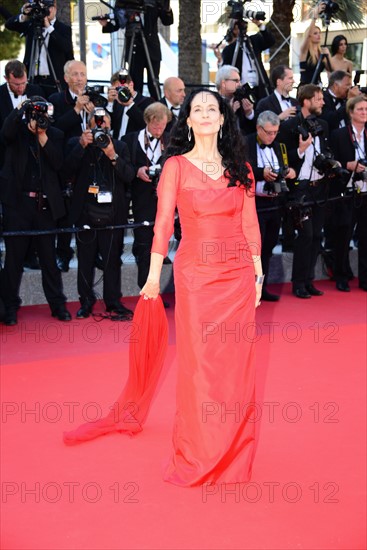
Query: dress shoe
point(10, 318)
point(119, 309)
point(84, 311)
point(343, 286)
point(301, 293)
point(62, 264)
point(32, 263)
point(268, 297)
point(314, 291)
point(363, 286)
point(61, 313)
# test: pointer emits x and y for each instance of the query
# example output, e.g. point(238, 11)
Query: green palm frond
point(351, 13)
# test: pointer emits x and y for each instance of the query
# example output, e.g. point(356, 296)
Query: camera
point(154, 171)
point(101, 136)
point(361, 176)
point(331, 8)
point(239, 13)
point(39, 111)
point(330, 168)
point(311, 126)
point(279, 185)
point(123, 92)
point(244, 92)
point(95, 95)
point(40, 9)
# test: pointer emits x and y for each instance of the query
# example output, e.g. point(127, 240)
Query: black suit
point(84, 165)
point(331, 114)
point(271, 103)
point(6, 106)
point(144, 206)
point(270, 220)
point(172, 122)
point(348, 212)
point(60, 48)
point(308, 241)
point(150, 30)
point(20, 175)
point(134, 114)
point(260, 41)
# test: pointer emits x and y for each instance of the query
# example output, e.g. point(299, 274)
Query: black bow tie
point(262, 146)
point(338, 101)
point(152, 138)
point(175, 110)
point(284, 98)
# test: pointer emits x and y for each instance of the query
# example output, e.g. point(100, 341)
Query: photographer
point(152, 11)
point(269, 161)
point(31, 197)
point(305, 137)
point(125, 105)
point(55, 38)
point(335, 99)
point(280, 101)
point(245, 63)
point(72, 107)
point(101, 169)
point(228, 84)
point(146, 148)
point(350, 147)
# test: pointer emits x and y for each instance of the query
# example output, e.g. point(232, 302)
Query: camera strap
point(283, 150)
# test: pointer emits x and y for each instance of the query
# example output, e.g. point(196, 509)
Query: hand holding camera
point(142, 174)
point(303, 143)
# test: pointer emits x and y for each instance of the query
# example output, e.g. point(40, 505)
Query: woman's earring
point(189, 134)
point(220, 132)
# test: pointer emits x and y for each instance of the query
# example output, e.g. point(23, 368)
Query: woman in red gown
point(218, 278)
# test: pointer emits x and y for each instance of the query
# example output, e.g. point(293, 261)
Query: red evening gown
point(213, 436)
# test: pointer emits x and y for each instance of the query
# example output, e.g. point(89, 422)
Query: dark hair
point(16, 68)
point(308, 91)
point(278, 72)
point(231, 146)
point(336, 43)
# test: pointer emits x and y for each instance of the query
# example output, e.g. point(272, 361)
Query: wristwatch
point(259, 279)
point(114, 159)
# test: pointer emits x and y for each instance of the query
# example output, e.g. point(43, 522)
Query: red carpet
point(308, 484)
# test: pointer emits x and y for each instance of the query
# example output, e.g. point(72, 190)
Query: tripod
point(38, 41)
point(242, 39)
point(135, 28)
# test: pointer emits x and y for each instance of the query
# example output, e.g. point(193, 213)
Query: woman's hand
point(258, 287)
point(150, 290)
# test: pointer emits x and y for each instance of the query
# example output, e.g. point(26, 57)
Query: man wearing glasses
point(269, 161)
point(227, 82)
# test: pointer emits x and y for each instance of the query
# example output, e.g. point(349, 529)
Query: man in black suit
point(72, 107)
point(126, 116)
point(31, 197)
point(173, 98)
point(310, 186)
point(55, 39)
point(335, 99)
point(227, 81)
point(280, 101)
point(349, 145)
point(146, 148)
point(246, 64)
point(101, 174)
point(268, 159)
point(149, 24)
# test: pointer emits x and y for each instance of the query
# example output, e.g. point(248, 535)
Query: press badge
point(104, 196)
point(93, 189)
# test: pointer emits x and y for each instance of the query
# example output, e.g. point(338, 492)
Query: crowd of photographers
point(80, 157)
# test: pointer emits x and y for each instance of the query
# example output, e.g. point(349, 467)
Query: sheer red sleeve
point(250, 223)
point(167, 198)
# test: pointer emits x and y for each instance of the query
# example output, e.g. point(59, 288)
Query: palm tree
point(189, 40)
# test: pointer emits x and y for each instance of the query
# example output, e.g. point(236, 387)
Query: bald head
point(174, 90)
point(75, 75)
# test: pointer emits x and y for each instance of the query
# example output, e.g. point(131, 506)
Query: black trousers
point(26, 216)
point(360, 217)
point(144, 209)
point(138, 63)
point(108, 243)
point(269, 223)
point(307, 243)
